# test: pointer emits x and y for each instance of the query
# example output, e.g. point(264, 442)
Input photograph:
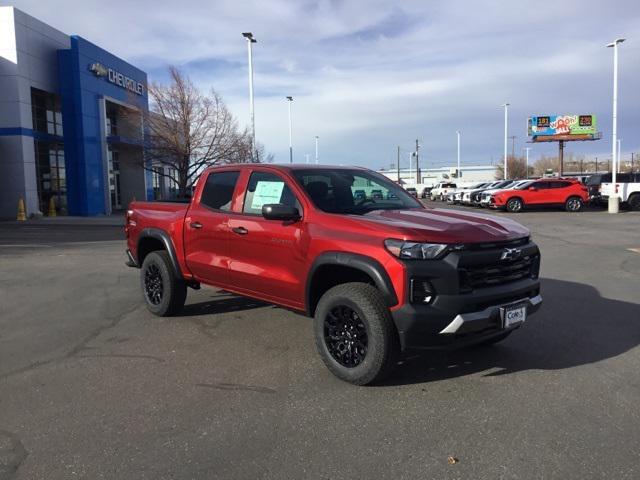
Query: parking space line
point(634, 250)
point(26, 245)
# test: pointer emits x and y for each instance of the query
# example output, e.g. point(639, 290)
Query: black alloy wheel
point(153, 289)
point(345, 336)
point(163, 290)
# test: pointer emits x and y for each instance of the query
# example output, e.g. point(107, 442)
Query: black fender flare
point(164, 237)
point(368, 265)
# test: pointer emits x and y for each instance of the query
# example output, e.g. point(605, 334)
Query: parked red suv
point(565, 192)
point(379, 274)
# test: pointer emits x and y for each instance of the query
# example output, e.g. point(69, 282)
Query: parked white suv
point(628, 191)
point(440, 191)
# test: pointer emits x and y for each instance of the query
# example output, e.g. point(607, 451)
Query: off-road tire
point(514, 205)
point(383, 345)
point(157, 272)
point(634, 201)
point(573, 204)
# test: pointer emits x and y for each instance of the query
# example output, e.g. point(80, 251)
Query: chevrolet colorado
point(378, 276)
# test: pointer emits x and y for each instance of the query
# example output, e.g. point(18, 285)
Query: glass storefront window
point(46, 112)
point(113, 158)
point(52, 178)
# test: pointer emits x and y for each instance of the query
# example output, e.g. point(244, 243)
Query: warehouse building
point(71, 123)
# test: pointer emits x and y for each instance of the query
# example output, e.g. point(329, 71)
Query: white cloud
point(368, 75)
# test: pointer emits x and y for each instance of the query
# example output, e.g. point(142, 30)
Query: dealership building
point(71, 123)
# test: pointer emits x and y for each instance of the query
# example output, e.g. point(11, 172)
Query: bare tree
point(188, 131)
point(516, 168)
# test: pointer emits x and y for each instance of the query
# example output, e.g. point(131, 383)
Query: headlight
point(416, 251)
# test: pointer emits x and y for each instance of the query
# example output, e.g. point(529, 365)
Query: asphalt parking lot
point(93, 386)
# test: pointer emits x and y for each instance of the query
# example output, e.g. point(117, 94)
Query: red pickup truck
point(379, 274)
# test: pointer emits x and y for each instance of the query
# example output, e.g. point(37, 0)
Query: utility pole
point(250, 41)
point(290, 101)
point(618, 156)
point(398, 164)
point(317, 149)
point(506, 121)
point(526, 165)
point(458, 175)
point(632, 162)
point(417, 162)
point(614, 201)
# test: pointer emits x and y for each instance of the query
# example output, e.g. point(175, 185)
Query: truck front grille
point(487, 269)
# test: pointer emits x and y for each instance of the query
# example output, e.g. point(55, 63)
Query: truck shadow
point(575, 326)
point(221, 302)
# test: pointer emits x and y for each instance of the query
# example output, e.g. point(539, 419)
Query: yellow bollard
point(22, 214)
point(52, 207)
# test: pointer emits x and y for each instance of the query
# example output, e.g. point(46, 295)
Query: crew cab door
point(267, 257)
point(206, 230)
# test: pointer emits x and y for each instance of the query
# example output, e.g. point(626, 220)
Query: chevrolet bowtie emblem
point(511, 254)
point(98, 70)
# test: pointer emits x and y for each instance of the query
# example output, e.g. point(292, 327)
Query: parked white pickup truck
point(440, 191)
point(628, 191)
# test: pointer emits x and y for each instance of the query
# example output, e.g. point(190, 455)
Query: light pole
point(506, 133)
point(614, 204)
point(307, 157)
point(250, 41)
point(526, 165)
point(317, 149)
point(458, 172)
point(290, 100)
point(619, 157)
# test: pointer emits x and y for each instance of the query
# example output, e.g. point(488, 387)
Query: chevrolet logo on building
point(117, 78)
point(98, 70)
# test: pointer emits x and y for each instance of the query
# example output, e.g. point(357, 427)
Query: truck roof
point(287, 166)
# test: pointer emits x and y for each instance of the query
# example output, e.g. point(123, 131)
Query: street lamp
point(526, 165)
point(614, 204)
point(506, 132)
point(458, 171)
point(317, 149)
point(250, 41)
point(290, 100)
point(619, 157)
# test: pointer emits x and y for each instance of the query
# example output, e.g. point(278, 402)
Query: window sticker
point(266, 192)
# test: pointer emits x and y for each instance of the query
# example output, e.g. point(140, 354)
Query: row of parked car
point(516, 195)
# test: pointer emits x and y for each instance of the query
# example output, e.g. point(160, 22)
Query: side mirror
point(278, 211)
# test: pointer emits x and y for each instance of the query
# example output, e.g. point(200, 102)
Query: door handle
point(195, 225)
point(240, 230)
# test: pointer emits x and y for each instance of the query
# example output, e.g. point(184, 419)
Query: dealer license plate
point(513, 315)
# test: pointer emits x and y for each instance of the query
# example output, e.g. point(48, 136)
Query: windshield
point(334, 191)
point(524, 185)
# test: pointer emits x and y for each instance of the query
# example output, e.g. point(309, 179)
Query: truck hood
point(443, 225)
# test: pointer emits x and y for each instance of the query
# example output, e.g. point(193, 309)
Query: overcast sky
point(369, 75)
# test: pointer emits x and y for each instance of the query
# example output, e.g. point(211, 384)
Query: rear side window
point(265, 188)
point(559, 184)
point(218, 191)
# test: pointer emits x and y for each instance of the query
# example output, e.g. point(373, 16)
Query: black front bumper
point(459, 314)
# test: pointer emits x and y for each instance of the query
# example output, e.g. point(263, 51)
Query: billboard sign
point(550, 125)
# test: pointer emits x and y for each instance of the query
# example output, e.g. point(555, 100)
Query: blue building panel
point(87, 74)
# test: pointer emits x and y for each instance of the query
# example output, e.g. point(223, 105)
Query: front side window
point(218, 190)
point(265, 188)
point(353, 191)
